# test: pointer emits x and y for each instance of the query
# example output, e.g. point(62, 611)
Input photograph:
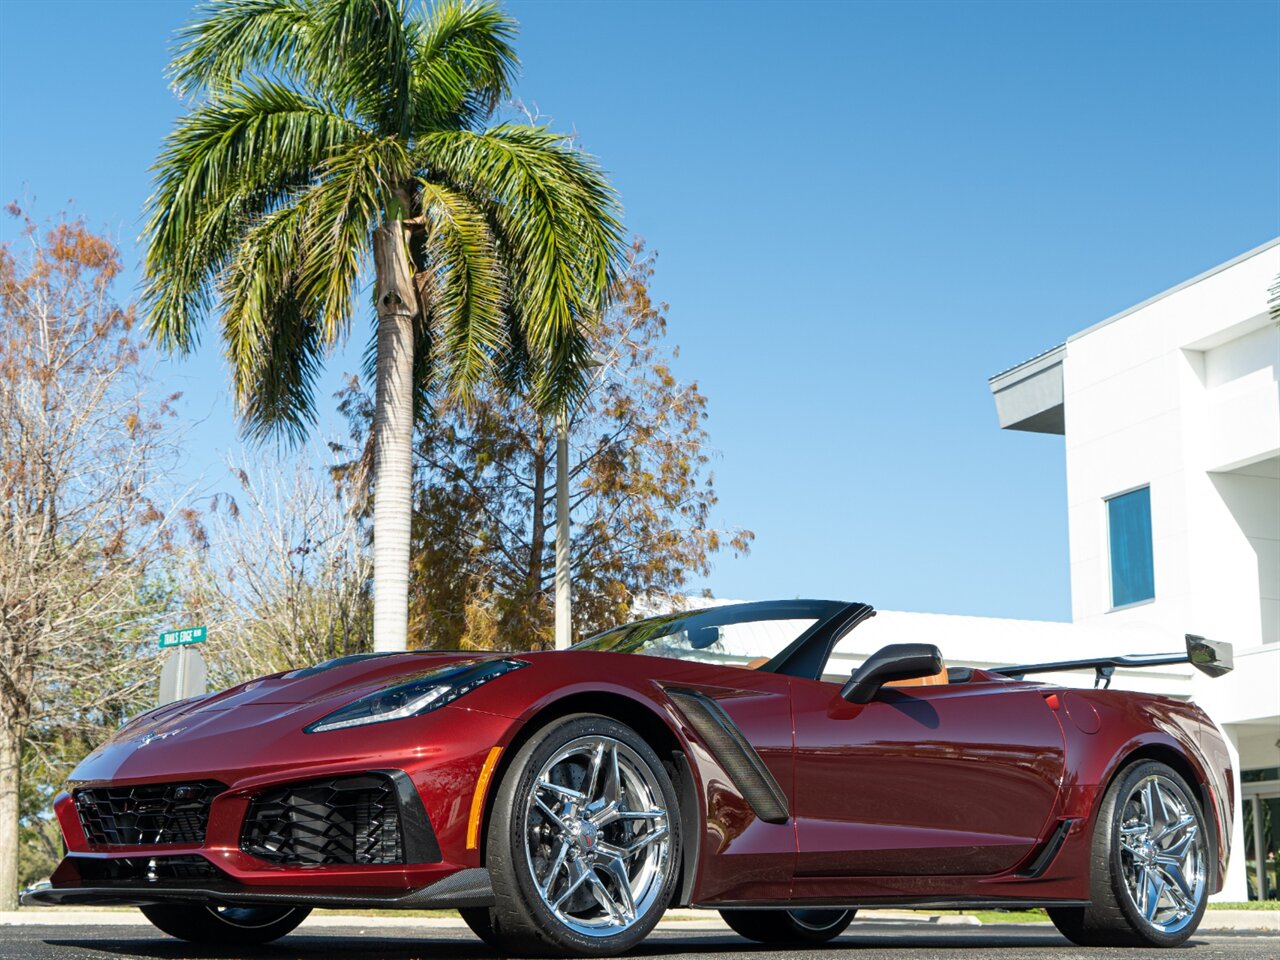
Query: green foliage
point(318, 120)
point(641, 492)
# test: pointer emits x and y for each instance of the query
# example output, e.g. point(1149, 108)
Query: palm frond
point(271, 332)
point(234, 159)
point(232, 38)
point(463, 64)
point(365, 49)
point(465, 286)
point(352, 192)
point(556, 219)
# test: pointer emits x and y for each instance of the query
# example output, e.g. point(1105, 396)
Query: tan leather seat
point(933, 680)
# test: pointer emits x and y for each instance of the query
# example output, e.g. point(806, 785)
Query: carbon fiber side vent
point(739, 759)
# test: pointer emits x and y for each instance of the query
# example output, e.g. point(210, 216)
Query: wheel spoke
point(574, 884)
point(552, 816)
point(1130, 845)
point(1186, 820)
point(1180, 847)
point(1152, 888)
point(1176, 884)
point(616, 869)
point(1150, 803)
point(556, 865)
point(1162, 806)
point(604, 898)
point(651, 836)
point(613, 785)
point(568, 793)
point(593, 775)
point(640, 814)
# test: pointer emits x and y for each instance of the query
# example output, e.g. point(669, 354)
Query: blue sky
point(863, 211)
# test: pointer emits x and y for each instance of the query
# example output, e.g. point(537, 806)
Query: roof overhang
point(1029, 396)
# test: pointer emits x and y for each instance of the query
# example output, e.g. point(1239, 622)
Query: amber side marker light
point(477, 799)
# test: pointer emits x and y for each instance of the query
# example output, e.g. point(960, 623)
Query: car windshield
point(740, 635)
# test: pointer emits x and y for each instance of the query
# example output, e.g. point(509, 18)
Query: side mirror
point(897, 661)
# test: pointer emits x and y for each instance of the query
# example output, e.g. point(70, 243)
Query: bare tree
point(81, 449)
point(281, 575)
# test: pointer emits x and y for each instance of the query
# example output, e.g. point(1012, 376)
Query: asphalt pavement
point(863, 941)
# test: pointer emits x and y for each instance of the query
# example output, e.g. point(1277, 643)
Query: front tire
point(584, 845)
point(789, 927)
point(230, 926)
point(1149, 876)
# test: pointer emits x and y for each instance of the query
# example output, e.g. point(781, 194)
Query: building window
point(1133, 577)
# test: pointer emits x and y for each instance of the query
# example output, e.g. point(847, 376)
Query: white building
point(1170, 412)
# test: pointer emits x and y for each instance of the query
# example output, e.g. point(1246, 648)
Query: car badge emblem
point(151, 737)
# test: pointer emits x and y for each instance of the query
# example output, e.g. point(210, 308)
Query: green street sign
point(180, 638)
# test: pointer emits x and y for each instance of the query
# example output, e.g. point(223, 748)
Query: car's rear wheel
point(236, 926)
point(789, 927)
point(1149, 876)
point(584, 845)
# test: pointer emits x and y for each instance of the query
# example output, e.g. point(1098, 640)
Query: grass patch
point(1247, 905)
point(1007, 916)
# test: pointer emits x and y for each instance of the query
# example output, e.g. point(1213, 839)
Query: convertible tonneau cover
point(1207, 656)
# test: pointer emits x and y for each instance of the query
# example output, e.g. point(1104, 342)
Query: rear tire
point(1149, 871)
point(789, 927)
point(584, 845)
point(231, 926)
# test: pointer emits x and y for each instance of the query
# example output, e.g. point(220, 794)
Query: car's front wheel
point(789, 927)
point(1149, 877)
point(584, 845)
point(231, 926)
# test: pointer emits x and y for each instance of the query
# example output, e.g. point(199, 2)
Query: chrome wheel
point(597, 836)
point(1162, 854)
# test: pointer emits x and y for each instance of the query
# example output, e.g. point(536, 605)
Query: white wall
point(1181, 394)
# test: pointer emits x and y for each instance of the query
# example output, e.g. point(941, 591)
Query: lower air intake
point(342, 820)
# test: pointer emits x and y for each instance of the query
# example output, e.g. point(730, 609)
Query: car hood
point(248, 713)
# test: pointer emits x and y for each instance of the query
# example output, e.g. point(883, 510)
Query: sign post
point(184, 674)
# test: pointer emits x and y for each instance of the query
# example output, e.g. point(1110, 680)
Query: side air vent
point(739, 759)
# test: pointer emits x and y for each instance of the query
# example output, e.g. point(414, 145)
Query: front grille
point(343, 820)
point(131, 871)
point(155, 813)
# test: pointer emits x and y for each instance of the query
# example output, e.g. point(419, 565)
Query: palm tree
point(331, 135)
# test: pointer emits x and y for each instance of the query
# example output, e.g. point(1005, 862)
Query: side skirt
point(968, 903)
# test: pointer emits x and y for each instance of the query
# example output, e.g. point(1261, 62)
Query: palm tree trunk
point(393, 438)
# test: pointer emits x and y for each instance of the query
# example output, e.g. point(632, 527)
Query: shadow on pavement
point(346, 947)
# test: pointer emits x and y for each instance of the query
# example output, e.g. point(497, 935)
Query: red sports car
point(563, 800)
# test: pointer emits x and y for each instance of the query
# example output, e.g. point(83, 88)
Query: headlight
point(422, 694)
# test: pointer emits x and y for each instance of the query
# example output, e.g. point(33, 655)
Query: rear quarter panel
point(1107, 729)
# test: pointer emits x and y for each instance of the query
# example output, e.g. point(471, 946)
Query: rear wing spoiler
point(1209, 657)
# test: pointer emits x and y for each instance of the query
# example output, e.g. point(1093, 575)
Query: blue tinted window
point(1129, 528)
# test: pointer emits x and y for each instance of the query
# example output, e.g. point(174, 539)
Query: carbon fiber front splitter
point(466, 888)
